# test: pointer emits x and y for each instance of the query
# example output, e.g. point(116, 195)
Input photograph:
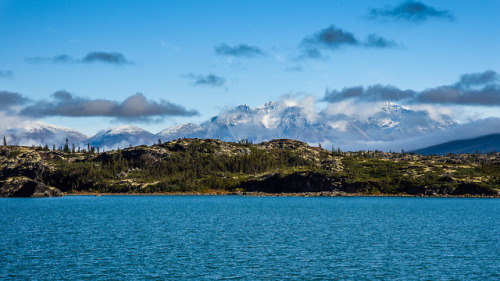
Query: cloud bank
point(411, 11)
point(92, 57)
point(134, 108)
point(480, 89)
point(242, 50)
point(333, 38)
point(10, 99)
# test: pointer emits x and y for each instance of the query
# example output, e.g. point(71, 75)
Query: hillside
point(277, 167)
point(484, 144)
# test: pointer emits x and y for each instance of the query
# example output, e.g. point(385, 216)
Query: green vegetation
point(204, 165)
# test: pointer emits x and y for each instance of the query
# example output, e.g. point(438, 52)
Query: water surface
point(232, 237)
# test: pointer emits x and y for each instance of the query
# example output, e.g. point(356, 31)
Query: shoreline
point(265, 194)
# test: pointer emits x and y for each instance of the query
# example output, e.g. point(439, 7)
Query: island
point(278, 167)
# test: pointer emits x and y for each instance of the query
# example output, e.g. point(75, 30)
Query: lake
point(235, 237)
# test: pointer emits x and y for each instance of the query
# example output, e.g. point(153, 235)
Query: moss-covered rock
point(25, 187)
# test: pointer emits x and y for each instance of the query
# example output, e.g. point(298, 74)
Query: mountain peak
point(40, 133)
point(267, 106)
point(122, 136)
point(180, 130)
point(35, 126)
point(392, 108)
point(124, 129)
point(243, 107)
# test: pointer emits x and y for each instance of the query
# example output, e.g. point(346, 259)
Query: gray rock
point(25, 187)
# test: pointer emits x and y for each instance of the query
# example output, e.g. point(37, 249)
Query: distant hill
point(484, 144)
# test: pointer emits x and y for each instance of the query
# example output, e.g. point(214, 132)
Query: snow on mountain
point(122, 136)
point(188, 130)
point(40, 133)
point(281, 120)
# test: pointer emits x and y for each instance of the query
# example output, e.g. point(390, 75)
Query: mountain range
point(278, 120)
point(483, 144)
point(273, 120)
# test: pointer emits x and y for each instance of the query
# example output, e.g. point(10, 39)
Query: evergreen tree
point(66, 147)
point(4, 141)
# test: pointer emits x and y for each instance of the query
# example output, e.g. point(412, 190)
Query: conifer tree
point(66, 147)
point(4, 141)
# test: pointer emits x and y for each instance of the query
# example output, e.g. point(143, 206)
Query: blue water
point(232, 237)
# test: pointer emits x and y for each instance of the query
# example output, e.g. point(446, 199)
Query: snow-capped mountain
point(279, 120)
point(393, 122)
point(121, 136)
point(40, 133)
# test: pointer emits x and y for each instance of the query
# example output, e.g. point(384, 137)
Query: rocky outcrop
point(298, 182)
point(475, 189)
point(25, 187)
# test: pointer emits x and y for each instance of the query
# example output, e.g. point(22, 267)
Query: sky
point(90, 65)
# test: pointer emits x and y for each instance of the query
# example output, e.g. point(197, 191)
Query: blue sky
point(191, 59)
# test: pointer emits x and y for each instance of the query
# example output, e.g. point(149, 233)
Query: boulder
point(25, 187)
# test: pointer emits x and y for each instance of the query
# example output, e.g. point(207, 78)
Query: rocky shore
point(294, 194)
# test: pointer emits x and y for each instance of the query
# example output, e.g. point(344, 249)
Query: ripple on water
point(231, 237)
